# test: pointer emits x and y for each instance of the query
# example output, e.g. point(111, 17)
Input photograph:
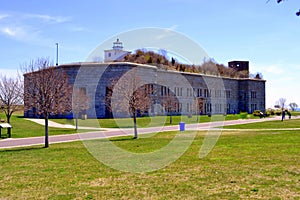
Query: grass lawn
point(150, 121)
point(23, 128)
point(276, 124)
point(252, 165)
point(295, 113)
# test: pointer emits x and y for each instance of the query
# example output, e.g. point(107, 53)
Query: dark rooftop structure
point(239, 65)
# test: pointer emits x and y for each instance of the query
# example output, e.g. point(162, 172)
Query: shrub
point(278, 112)
point(267, 114)
point(257, 113)
point(270, 111)
point(243, 115)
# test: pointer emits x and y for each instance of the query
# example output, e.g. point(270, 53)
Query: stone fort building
point(212, 94)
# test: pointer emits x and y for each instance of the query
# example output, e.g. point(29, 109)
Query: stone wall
point(218, 95)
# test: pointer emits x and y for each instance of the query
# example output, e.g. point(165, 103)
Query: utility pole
point(56, 54)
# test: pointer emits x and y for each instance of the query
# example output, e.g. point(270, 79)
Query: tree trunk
point(135, 126)
point(76, 121)
point(9, 129)
point(8, 118)
point(46, 132)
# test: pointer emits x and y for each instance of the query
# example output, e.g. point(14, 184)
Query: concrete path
point(57, 125)
point(98, 134)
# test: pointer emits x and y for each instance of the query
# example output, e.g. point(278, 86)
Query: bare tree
point(46, 90)
point(293, 106)
point(170, 103)
point(129, 95)
point(281, 103)
point(11, 96)
point(80, 102)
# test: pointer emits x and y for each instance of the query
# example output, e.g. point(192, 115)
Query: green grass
point(23, 128)
point(241, 166)
point(295, 113)
point(276, 124)
point(128, 122)
point(149, 121)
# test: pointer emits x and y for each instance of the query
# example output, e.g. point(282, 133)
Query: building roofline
point(151, 67)
point(116, 50)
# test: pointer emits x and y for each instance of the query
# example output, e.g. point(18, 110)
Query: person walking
point(289, 114)
point(283, 115)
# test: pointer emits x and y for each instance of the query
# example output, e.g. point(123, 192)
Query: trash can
point(181, 126)
point(84, 116)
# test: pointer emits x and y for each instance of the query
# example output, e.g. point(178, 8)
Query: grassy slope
point(247, 165)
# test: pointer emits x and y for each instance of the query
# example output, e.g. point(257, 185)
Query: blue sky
point(266, 34)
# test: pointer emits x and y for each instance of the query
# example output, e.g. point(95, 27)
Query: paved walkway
point(98, 134)
point(57, 125)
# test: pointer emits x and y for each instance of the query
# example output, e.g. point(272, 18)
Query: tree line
point(209, 67)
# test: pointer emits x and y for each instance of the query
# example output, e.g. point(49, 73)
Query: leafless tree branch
point(46, 90)
point(11, 95)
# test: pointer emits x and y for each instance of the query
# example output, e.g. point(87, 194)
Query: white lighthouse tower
point(116, 53)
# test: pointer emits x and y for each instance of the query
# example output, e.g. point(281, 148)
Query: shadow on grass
point(19, 149)
point(119, 139)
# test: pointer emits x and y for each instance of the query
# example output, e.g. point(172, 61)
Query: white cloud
point(281, 81)
point(8, 31)
point(274, 70)
point(15, 32)
point(78, 29)
point(25, 34)
point(3, 16)
point(49, 19)
point(29, 28)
